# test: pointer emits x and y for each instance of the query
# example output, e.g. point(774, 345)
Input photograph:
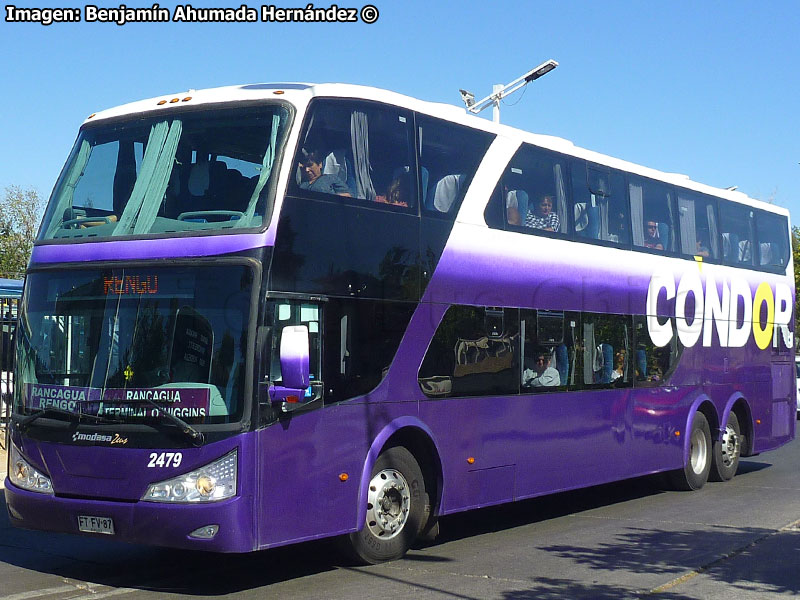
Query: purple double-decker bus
point(271, 313)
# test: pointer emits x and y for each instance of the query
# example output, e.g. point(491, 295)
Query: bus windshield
point(110, 342)
point(177, 172)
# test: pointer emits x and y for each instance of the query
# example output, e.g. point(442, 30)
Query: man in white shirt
point(542, 374)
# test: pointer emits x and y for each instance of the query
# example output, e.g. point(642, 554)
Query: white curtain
point(712, 230)
point(263, 177)
point(67, 191)
point(155, 143)
point(561, 196)
point(688, 225)
point(359, 131)
point(159, 181)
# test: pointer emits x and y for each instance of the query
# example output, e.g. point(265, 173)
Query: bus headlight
point(24, 476)
point(213, 482)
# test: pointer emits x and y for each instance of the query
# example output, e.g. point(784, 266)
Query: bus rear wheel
point(695, 472)
point(395, 509)
point(727, 451)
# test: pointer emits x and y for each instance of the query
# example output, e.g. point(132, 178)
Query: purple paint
point(148, 249)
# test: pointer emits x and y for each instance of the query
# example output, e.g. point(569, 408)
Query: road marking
point(794, 525)
point(39, 593)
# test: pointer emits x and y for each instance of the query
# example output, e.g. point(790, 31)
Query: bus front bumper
point(151, 523)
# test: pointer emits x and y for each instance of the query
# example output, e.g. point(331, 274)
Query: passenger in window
point(702, 248)
point(619, 365)
point(617, 227)
point(541, 216)
point(542, 374)
point(315, 181)
point(651, 238)
point(399, 191)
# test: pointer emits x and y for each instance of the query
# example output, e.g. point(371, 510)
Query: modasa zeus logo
point(727, 306)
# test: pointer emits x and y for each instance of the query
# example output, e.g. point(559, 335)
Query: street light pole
point(500, 91)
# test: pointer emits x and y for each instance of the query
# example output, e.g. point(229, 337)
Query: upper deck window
point(534, 191)
point(449, 156)
point(773, 243)
point(736, 227)
point(191, 171)
point(359, 150)
point(652, 215)
point(600, 205)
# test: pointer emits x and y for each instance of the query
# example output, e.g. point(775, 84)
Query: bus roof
point(300, 94)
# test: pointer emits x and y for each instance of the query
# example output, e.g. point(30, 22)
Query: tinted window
point(184, 171)
point(473, 353)
point(736, 228)
point(361, 339)
point(178, 334)
point(359, 150)
point(534, 191)
point(653, 365)
point(600, 206)
point(652, 215)
point(698, 225)
point(449, 156)
point(548, 353)
point(606, 350)
point(773, 241)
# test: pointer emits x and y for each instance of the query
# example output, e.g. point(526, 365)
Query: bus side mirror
point(295, 377)
point(294, 357)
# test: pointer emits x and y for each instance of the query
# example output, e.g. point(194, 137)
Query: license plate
point(96, 524)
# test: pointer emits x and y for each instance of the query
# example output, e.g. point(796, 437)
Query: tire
point(396, 501)
point(727, 451)
point(695, 472)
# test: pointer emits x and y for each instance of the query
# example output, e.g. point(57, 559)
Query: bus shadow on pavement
point(121, 565)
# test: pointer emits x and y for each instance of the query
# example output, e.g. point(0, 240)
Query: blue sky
point(709, 89)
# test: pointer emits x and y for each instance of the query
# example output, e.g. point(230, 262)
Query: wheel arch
point(418, 439)
point(738, 405)
point(703, 405)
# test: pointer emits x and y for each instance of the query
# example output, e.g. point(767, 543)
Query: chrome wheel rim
point(698, 456)
point(388, 502)
point(730, 447)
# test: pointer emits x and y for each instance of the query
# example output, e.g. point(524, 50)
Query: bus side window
point(653, 365)
point(606, 350)
point(698, 225)
point(361, 340)
point(773, 241)
point(600, 207)
point(736, 226)
point(449, 155)
point(473, 353)
point(360, 150)
point(535, 192)
point(652, 214)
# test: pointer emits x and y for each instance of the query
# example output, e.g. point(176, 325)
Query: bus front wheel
point(395, 508)
point(727, 451)
point(694, 473)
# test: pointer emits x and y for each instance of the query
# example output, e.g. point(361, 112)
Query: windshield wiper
point(195, 436)
point(53, 411)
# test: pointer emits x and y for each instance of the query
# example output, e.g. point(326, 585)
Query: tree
point(20, 213)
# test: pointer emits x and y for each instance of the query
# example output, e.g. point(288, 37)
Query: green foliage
point(20, 213)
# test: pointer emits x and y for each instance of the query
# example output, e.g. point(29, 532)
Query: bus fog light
point(210, 483)
point(24, 476)
point(206, 532)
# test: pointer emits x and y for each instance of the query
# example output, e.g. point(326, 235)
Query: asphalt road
point(734, 540)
